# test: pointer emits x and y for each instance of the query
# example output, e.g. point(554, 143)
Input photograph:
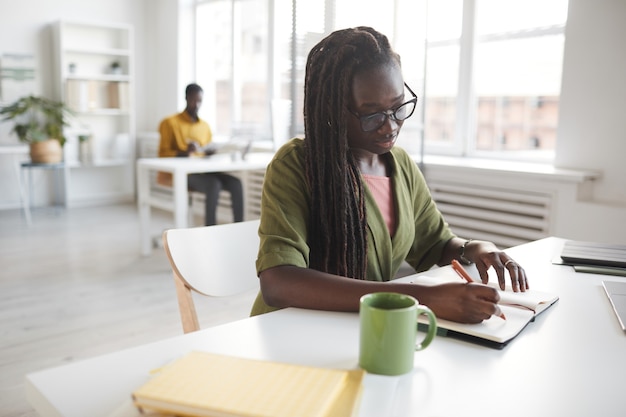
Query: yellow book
point(206, 384)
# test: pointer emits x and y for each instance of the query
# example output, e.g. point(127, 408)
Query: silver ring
point(508, 262)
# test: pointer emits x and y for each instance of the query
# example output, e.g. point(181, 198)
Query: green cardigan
point(420, 236)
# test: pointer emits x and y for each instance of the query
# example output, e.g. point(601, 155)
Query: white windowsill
point(492, 166)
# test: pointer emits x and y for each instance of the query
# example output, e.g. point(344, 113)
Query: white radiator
point(504, 217)
point(254, 190)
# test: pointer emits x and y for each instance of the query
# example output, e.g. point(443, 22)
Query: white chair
point(211, 260)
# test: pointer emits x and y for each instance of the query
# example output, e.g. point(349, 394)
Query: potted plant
point(116, 68)
point(39, 122)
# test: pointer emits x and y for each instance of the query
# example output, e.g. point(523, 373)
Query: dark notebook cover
point(590, 253)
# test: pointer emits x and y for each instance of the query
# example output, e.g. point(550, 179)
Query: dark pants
point(210, 184)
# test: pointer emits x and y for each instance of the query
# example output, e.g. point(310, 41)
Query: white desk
point(569, 362)
point(180, 168)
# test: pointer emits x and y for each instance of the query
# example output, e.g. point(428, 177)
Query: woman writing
point(343, 207)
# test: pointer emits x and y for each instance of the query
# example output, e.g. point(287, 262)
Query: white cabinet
point(94, 77)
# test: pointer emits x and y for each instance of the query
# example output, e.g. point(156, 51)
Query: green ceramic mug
point(389, 332)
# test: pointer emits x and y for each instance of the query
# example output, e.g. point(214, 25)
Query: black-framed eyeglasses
point(374, 121)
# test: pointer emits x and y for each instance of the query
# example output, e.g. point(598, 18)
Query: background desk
point(180, 168)
point(570, 362)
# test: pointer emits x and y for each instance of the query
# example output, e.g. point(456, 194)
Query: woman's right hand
point(461, 302)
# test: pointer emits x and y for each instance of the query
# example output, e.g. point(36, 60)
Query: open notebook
point(519, 308)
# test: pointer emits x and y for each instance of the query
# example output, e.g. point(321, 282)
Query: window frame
point(464, 141)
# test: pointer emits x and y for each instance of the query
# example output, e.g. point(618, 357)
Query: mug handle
point(432, 327)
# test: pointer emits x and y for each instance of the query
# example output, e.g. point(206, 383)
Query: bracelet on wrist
point(462, 256)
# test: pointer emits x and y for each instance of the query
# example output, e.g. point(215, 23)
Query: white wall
point(163, 94)
point(163, 42)
point(592, 126)
point(25, 27)
point(592, 123)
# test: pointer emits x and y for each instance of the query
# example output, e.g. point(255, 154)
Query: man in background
point(185, 134)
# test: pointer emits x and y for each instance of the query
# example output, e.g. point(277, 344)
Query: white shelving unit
point(100, 168)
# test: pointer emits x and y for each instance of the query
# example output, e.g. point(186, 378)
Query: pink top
point(380, 187)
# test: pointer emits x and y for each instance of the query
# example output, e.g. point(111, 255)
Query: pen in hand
point(463, 274)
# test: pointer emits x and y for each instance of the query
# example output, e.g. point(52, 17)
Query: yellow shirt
point(177, 132)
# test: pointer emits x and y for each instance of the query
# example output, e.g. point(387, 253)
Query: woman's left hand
point(486, 255)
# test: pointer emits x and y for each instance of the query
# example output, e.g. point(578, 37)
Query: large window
point(487, 72)
point(232, 53)
point(493, 77)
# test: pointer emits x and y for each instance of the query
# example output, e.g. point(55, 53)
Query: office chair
point(211, 260)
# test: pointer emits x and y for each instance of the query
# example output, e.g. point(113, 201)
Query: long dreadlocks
point(338, 222)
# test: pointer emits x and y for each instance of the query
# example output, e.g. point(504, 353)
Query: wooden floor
point(73, 285)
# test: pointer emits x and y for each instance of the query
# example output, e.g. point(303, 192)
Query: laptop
point(616, 291)
point(591, 253)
